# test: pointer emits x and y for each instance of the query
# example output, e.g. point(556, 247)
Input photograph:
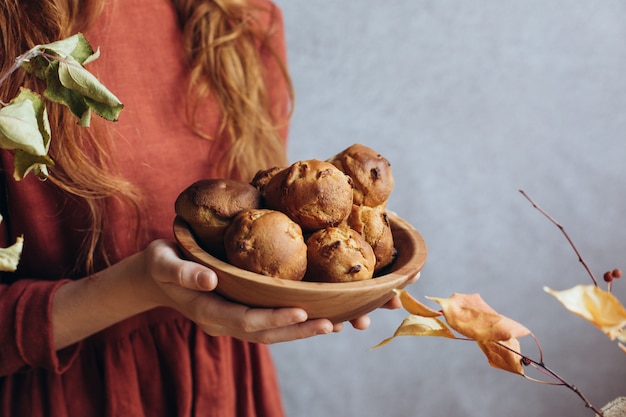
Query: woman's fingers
point(361, 323)
point(189, 286)
point(297, 331)
point(219, 317)
point(166, 266)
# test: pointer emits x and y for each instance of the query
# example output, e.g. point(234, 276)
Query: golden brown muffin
point(209, 205)
point(370, 172)
point(339, 254)
point(313, 193)
point(266, 242)
point(274, 188)
point(373, 224)
point(262, 177)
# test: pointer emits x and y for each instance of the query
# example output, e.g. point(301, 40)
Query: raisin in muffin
point(339, 254)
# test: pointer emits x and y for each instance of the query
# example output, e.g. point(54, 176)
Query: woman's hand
point(156, 277)
point(188, 287)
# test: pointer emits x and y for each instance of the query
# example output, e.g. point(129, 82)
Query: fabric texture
point(157, 363)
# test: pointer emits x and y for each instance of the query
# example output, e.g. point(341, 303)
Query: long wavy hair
point(222, 40)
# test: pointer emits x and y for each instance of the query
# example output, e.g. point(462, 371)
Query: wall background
point(470, 101)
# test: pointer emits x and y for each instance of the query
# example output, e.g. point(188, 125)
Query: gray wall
point(470, 101)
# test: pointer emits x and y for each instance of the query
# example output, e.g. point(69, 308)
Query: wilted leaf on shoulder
point(469, 315)
point(502, 358)
point(57, 92)
point(10, 257)
point(420, 326)
point(69, 83)
point(599, 307)
point(20, 124)
point(24, 163)
point(76, 46)
point(413, 306)
point(75, 77)
point(24, 127)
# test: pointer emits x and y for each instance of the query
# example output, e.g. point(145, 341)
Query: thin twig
point(19, 61)
point(541, 366)
point(580, 258)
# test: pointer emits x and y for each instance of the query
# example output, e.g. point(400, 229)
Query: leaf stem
point(580, 258)
point(19, 61)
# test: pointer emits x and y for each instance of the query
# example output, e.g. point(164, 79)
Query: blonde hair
point(224, 42)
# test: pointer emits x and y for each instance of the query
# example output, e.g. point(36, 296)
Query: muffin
point(267, 242)
point(209, 205)
point(339, 254)
point(313, 193)
point(370, 172)
point(373, 224)
point(262, 177)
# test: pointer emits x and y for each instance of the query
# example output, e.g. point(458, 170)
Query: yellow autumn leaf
point(413, 306)
point(502, 358)
point(597, 306)
point(469, 315)
point(420, 326)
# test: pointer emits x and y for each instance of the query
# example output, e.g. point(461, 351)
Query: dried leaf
point(599, 307)
point(25, 162)
point(24, 127)
point(413, 306)
point(75, 46)
point(420, 326)
point(75, 77)
point(10, 257)
point(69, 83)
point(469, 315)
point(502, 358)
point(19, 127)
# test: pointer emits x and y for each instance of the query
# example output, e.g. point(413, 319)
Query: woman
point(102, 316)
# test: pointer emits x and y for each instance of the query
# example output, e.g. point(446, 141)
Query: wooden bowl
point(335, 301)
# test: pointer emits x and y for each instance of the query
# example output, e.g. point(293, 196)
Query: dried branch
point(541, 366)
point(580, 258)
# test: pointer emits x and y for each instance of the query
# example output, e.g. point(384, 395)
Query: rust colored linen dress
point(157, 363)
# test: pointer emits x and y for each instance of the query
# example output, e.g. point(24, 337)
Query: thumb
point(197, 277)
point(166, 266)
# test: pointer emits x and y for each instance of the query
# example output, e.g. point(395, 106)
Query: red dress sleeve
point(25, 304)
point(26, 328)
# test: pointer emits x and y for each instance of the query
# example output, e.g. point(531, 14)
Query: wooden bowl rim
point(410, 267)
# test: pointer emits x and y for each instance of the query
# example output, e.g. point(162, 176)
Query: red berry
point(616, 273)
point(608, 276)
